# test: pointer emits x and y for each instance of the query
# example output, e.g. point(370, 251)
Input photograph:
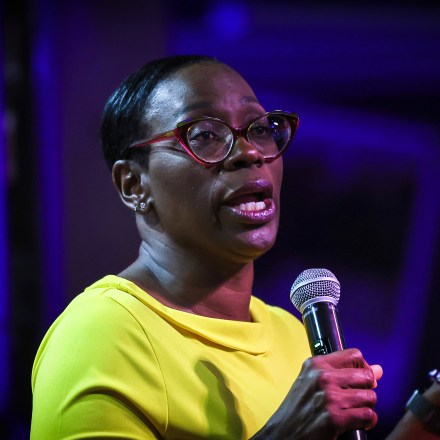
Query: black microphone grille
point(314, 285)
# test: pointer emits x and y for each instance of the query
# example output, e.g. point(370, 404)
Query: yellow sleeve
point(97, 376)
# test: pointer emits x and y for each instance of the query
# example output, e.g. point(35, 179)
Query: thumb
point(378, 373)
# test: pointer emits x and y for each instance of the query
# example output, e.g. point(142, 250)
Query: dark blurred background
point(362, 178)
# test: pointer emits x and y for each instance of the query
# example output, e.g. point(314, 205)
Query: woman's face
point(228, 212)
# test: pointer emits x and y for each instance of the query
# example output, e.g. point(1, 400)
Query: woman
point(176, 346)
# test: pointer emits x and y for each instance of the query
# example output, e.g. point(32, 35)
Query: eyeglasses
point(210, 140)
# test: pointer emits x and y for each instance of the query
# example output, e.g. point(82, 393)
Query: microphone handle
point(324, 333)
point(359, 434)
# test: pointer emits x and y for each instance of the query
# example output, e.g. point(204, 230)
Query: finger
point(348, 419)
point(378, 373)
point(351, 398)
point(358, 418)
point(350, 357)
point(345, 378)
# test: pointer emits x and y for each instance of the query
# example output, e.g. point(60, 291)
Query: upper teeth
point(252, 206)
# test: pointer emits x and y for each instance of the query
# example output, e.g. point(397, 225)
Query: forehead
point(200, 89)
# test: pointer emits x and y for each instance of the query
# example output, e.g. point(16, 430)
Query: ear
point(132, 182)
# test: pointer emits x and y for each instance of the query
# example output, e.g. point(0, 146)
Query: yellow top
point(119, 364)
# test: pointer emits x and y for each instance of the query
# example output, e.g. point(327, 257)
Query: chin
point(254, 244)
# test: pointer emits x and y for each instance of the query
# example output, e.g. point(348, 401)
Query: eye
point(202, 136)
point(260, 129)
point(207, 132)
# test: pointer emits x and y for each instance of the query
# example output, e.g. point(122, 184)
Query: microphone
point(315, 294)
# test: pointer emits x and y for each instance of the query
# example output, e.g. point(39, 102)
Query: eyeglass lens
point(212, 140)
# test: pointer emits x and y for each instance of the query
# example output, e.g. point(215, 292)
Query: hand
point(332, 394)
point(433, 393)
point(410, 427)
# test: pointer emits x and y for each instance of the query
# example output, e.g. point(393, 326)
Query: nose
point(243, 155)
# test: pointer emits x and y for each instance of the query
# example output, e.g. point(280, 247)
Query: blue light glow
point(4, 280)
point(228, 20)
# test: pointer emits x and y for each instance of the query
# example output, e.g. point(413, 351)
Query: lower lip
point(254, 217)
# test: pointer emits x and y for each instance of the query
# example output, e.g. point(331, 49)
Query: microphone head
point(314, 285)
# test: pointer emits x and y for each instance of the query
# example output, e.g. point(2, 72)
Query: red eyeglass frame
point(183, 127)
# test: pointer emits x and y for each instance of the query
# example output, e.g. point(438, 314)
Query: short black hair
point(123, 119)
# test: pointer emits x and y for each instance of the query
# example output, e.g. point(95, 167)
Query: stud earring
point(142, 206)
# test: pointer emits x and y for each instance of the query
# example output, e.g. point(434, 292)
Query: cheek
point(180, 188)
point(277, 175)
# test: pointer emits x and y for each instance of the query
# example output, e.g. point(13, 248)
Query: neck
point(193, 284)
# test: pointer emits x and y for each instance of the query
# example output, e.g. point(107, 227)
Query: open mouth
point(252, 203)
point(249, 202)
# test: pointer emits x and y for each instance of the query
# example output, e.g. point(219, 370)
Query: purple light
point(228, 20)
point(4, 280)
point(50, 163)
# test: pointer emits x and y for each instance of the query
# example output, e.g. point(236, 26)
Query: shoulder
point(102, 311)
point(97, 355)
point(99, 324)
